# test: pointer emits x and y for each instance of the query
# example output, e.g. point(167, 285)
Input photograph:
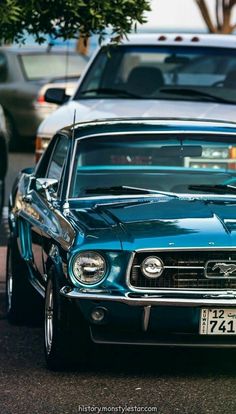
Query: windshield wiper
point(125, 189)
point(219, 188)
point(113, 91)
point(195, 92)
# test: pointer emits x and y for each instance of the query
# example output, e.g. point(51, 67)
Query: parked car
point(23, 74)
point(127, 230)
point(4, 157)
point(169, 75)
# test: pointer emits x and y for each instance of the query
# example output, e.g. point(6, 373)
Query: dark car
point(127, 231)
point(3, 156)
point(23, 75)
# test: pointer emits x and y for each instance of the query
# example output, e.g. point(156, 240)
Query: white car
point(166, 76)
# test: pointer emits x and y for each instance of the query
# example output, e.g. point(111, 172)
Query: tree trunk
point(223, 14)
point(82, 45)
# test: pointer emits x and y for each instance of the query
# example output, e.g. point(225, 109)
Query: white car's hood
point(91, 109)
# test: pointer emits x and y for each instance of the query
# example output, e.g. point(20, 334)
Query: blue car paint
point(117, 228)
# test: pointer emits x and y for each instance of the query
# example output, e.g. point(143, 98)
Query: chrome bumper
point(219, 299)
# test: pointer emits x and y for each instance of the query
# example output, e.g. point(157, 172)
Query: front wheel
point(2, 194)
point(66, 337)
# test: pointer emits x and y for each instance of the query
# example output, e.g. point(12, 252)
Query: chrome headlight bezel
point(89, 258)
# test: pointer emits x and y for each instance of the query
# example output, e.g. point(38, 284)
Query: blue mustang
point(126, 230)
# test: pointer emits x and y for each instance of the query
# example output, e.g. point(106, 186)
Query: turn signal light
point(40, 146)
point(232, 155)
point(232, 152)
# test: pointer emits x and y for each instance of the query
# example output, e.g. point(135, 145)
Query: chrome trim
point(216, 300)
point(124, 196)
point(72, 161)
point(223, 277)
point(177, 131)
point(180, 249)
point(176, 249)
point(146, 317)
point(48, 319)
point(181, 196)
point(180, 267)
point(156, 276)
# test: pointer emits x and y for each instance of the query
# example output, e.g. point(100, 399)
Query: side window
point(58, 158)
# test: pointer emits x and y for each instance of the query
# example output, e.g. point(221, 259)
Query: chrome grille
point(183, 270)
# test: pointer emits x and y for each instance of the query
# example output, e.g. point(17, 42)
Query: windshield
point(52, 65)
point(151, 72)
point(159, 162)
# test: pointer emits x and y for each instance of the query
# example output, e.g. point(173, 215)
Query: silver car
point(23, 75)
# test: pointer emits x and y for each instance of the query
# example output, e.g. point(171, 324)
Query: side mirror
point(48, 186)
point(56, 95)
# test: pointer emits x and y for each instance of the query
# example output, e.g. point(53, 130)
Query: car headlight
point(152, 267)
point(89, 267)
point(209, 152)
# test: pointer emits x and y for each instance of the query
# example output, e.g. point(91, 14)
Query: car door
point(37, 216)
point(51, 223)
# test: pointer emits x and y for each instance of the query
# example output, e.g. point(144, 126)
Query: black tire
point(66, 334)
point(2, 196)
point(4, 156)
point(24, 306)
point(3, 169)
point(13, 136)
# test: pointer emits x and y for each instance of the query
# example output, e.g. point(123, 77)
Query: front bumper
point(217, 299)
point(151, 319)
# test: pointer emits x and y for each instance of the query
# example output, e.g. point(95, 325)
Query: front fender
point(57, 261)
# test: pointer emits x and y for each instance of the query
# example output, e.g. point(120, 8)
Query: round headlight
point(89, 267)
point(152, 267)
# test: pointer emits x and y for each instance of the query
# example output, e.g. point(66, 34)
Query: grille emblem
point(226, 269)
point(223, 270)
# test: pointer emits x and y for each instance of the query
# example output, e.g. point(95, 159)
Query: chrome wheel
point(9, 283)
point(48, 328)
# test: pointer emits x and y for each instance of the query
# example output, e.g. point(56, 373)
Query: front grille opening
point(178, 278)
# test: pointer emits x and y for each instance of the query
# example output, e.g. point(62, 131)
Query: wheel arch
point(55, 261)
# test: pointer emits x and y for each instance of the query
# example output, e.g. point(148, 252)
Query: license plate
point(218, 321)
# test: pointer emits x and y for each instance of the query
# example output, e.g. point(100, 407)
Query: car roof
point(181, 39)
point(124, 125)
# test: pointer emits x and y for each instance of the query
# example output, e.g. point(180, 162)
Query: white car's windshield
point(151, 72)
point(176, 163)
point(52, 65)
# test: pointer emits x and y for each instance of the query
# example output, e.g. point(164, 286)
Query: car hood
point(176, 223)
point(91, 109)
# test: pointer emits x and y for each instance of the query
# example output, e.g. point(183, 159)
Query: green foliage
point(66, 18)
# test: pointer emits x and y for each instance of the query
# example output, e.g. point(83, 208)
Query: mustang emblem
point(226, 269)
